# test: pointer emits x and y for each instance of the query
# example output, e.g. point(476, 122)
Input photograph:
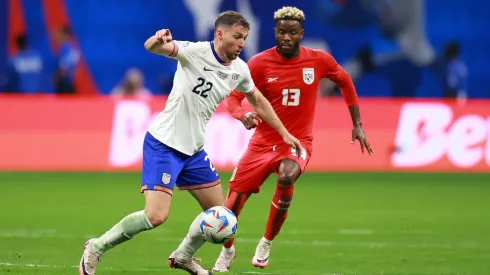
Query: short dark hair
point(231, 18)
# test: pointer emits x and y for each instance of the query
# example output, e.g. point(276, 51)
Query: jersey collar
point(286, 60)
point(221, 61)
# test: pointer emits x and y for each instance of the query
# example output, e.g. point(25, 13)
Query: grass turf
point(339, 223)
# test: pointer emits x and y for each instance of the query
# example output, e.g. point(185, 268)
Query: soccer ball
point(218, 224)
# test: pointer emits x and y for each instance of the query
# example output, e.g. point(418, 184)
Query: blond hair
point(290, 13)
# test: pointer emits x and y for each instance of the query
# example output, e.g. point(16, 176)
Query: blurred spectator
point(456, 72)
point(25, 69)
point(132, 85)
point(68, 58)
point(401, 21)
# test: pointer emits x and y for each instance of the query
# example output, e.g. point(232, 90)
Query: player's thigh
point(157, 206)
point(201, 179)
point(161, 166)
point(287, 165)
point(251, 171)
point(209, 197)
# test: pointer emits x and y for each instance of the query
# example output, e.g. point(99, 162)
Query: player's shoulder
point(264, 55)
point(308, 52)
point(240, 64)
point(261, 58)
point(193, 46)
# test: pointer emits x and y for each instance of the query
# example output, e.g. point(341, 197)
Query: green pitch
point(339, 223)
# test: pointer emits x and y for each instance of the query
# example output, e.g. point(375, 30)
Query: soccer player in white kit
point(173, 153)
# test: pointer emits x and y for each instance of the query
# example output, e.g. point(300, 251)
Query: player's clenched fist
point(163, 36)
point(250, 120)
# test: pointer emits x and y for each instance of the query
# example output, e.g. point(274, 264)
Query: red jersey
point(291, 86)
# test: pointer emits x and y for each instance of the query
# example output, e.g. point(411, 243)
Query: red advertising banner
point(106, 134)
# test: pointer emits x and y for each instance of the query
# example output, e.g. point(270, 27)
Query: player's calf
point(156, 212)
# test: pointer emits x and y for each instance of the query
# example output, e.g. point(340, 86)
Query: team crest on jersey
point(166, 178)
point(308, 75)
point(234, 81)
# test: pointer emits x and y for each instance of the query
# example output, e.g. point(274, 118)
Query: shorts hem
point(200, 186)
point(160, 188)
point(242, 190)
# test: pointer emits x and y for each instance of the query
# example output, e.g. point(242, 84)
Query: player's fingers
point(368, 147)
point(249, 124)
point(298, 152)
point(362, 146)
point(255, 116)
point(158, 36)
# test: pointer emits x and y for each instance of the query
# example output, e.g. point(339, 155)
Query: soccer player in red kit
point(288, 75)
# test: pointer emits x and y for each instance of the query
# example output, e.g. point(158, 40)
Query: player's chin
point(234, 55)
point(286, 49)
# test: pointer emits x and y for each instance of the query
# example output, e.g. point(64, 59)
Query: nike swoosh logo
point(207, 70)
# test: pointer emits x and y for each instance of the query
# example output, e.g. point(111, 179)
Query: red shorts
point(255, 166)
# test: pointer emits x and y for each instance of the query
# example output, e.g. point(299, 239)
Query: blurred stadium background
point(78, 89)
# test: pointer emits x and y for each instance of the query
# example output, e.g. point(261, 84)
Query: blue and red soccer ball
point(218, 225)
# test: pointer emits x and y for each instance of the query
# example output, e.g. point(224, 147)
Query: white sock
point(231, 249)
point(123, 231)
point(192, 242)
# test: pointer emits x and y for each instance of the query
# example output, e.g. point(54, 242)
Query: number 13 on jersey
point(290, 97)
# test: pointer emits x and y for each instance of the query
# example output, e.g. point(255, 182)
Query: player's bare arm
point(160, 43)
point(264, 109)
point(357, 132)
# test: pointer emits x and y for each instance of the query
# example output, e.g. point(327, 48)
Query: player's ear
point(219, 33)
point(301, 33)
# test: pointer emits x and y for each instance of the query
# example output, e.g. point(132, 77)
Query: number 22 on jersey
point(290, 97)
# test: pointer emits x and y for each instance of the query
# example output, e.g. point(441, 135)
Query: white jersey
point(201, 82)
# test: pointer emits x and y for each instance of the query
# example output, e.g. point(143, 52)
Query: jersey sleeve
point(333, 71)
point(247, 84)
point(234, 104)
point(182, 50)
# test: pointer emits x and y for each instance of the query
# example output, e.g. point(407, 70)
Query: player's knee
point(285, 179)
point(156, 217)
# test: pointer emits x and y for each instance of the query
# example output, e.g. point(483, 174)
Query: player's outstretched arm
point(342, 78)
point(263, 107)
point(161, 43)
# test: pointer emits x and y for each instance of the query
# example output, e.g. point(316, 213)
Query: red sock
point(281, 200)
point(235, 202)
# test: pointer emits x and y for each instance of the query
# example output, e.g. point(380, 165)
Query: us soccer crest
point(234, 81)
point(166, 178)
point(308, 75)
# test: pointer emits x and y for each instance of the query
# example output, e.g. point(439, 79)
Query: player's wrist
point(284, 133)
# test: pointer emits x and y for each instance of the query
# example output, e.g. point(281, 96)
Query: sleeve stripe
point(252, 91)
point(175, 50)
